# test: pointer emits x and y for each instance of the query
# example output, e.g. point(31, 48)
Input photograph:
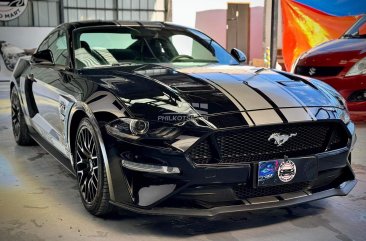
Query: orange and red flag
point(305, 27)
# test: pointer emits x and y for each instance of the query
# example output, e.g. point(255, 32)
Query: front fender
point(99, 105)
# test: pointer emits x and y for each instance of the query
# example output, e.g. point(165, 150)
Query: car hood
point(157, 91)
point(335, 52)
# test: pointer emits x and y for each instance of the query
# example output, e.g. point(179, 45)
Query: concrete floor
point(39, 201)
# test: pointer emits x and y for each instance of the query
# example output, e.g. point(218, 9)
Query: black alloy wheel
point(19, 126)
point(90, 171)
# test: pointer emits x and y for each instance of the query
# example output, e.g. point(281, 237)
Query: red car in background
point(342, 64)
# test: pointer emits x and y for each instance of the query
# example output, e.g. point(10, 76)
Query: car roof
point(94, 23)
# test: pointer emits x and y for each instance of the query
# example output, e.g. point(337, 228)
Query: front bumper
point(211, 190)
point(260, 203)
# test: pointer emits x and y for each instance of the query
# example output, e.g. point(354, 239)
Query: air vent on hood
point(189, 88)
point(292, 83)
point(296, 78)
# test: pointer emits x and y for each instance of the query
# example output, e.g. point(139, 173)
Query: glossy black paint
point(54, 97)
point(239, 55)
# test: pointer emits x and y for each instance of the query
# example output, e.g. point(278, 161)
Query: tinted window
point(188, 46)
point(136, 45)
point(108, 41)
point(57, 43)
point(44, 45)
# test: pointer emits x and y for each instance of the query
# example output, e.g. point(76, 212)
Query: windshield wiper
point(123, 63)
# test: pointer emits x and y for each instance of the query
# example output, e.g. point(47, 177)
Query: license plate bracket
point(286, 171)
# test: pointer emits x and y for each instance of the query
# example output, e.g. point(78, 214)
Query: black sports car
point(160, 119)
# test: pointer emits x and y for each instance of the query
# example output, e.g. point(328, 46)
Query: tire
point(20, 128)
point(90, 171)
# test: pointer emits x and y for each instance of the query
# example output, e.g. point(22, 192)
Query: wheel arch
point(78, 115)
point(79, 111)
point(12, 85)
point(74, 123)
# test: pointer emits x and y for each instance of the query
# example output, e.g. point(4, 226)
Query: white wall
point(184, 11)
point(24, 37)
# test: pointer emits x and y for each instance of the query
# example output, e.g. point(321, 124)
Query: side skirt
point(64, 161)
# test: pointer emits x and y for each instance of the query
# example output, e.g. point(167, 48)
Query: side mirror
point(44, 56)
point(238, 55)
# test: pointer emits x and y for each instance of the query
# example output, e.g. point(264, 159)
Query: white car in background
point(9, 55)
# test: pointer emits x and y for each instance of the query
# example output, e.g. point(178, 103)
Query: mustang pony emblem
point(279, 139)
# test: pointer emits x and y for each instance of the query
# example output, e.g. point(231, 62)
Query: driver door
point(50, 100)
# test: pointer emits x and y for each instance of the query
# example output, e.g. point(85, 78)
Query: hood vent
point(292, 83)
point(195, 88)
point(296, 78)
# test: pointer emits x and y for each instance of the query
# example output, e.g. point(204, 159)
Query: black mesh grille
point(317, 71)
point(252, 144)
point(203, 152)
point(242, 191)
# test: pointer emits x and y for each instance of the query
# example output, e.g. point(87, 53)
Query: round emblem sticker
point(286, 171)
point(10, 9)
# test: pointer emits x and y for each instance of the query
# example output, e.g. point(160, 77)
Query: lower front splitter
point(260, 203)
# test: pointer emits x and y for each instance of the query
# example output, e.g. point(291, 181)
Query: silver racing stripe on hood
point(261, 95)
point(288, 87)
point(240, 107)
point(246, 97)
point(290, 106)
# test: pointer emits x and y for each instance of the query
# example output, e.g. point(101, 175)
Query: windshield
point(138, 45)
point(358, 30)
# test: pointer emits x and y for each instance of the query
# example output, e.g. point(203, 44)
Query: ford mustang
point(160, 119)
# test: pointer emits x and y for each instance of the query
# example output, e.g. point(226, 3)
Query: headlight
point(138, 127)
point(128, 128)
point(342, 101)
point(345, 117)
point(343, 110)
point(358, 68)
point(327, 88)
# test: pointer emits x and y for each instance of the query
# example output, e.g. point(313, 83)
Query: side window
point(44, 45)
point(57, 44)
point(186, 45)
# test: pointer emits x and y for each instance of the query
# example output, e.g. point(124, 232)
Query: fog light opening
point(149, 168)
